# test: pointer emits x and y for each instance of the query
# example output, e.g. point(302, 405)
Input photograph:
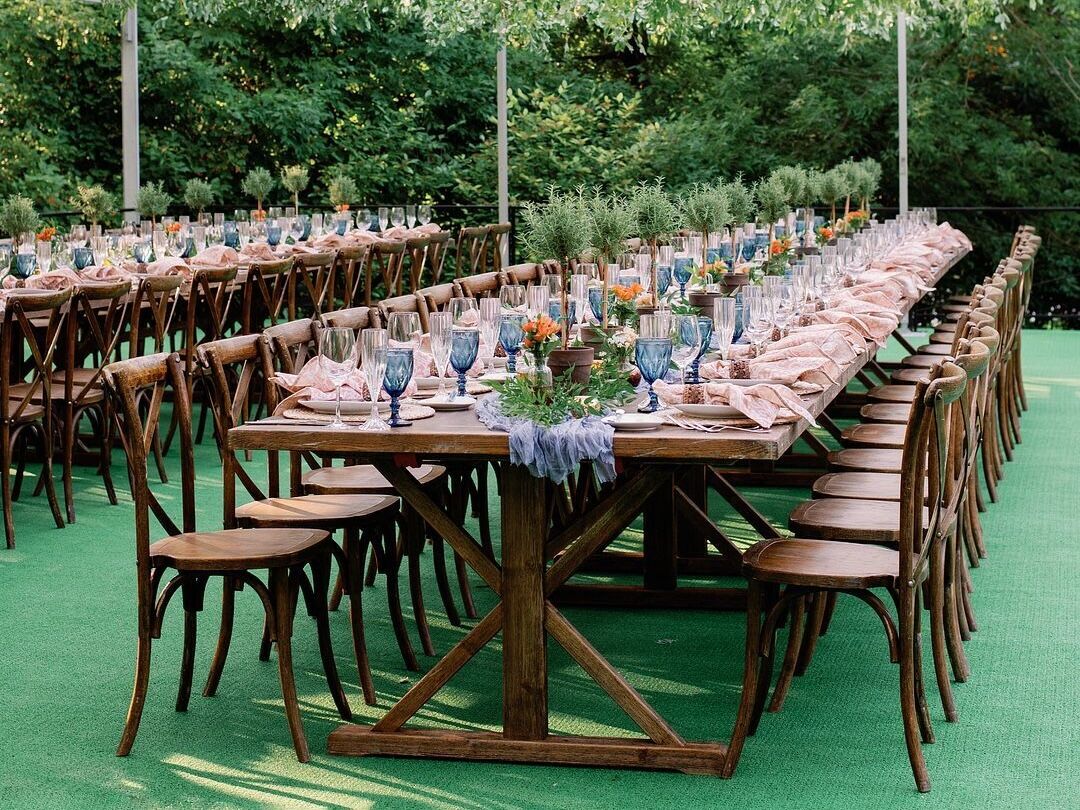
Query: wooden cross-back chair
point(26, 385)
point(355, 318)
point(436, 255)
point(470, 255)
point(416, 253)
point(266, 292)
point(498, 234)
point(385, 264)
point(525, 274)
point(194, 556)
point(153, 310)
point(435, 299)
point(95, 328)
point(482, 285)
point(399, 303)
point(312, 278)
point(929, 503)
point(286, 348)
point(350, 273)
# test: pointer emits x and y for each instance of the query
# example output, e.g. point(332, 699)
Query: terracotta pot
point(578, 361)
point(594, 336)
point(704, 301)
point(730, 282)
point(646, 310)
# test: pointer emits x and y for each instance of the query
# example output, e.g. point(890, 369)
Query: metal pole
point(902, 93)
point(503, 149)
point(129, 108)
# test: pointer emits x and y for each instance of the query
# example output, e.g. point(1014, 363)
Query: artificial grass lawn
point(67, 635)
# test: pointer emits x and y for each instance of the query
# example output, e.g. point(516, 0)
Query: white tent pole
point(503, 150)
point(129, 107)
point(902, 98)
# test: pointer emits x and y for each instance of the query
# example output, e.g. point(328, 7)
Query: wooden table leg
point(660, 549)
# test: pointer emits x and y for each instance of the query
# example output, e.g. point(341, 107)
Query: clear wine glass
point(537, 300)
point(512, 297)
point(404, 329)
point(685, 334)
point(410, 216)
point(490, 311)
point(397, 216)
point(384, 218)
point(724, 324)
point(374, 348)
point(337, 351)
point(423, 214)
point(464, 312)
point(440, 325)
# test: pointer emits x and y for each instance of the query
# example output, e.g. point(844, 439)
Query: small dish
point(447, 404)
point(709, 411)
point(634, 421)
point(348, 406)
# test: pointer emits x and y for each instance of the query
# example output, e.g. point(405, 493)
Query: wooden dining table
point(534, 565)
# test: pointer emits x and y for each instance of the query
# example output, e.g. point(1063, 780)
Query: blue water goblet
point(399, 371)
point(653, 359)
point(663, 278)
point(726, 254)
point(510, 336)
point(24, 266)
point(273, 235)
point(142, 251)
point(82, 257)
point(596, 302)
point(713, 255)
point(684, 269)
point(555, 310)
point(464, 346)
point(340, 226)
point(705, 325)
point(231, 234)
point(749, 248)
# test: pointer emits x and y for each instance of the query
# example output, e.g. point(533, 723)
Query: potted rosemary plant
point(740, 204)
point(295, 179)
point(258, 183)
point(655, 218)
point(611, 222)
point(153, 201)
point(198, 196)
point(19, 220)
point(95, 204)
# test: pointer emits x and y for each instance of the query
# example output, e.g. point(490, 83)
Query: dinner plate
point(634, 421)
point(349, 406)
point(432, 383)
point(496, 376)
point(709, 411)
point(447, 404)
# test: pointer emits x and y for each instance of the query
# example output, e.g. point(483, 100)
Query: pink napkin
point(168, 265)
point(216, 256)
point(53, 280)
point(109, 272)
point(313, 382)
point(766, 405)
point(802, 367)
point(260, 251)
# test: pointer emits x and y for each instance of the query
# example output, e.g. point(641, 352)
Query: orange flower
point(172, 227)
point(627, 293)
point(259, 215)
point(776, 248)
point(539, 329)
point(46, 234)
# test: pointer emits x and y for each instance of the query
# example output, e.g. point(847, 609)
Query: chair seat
point(920, 361)
point(316, 511)
point(874, 434)
point(946, 326)
point(866, 459)
point(82, 394)
point(938, 336)
point(959, 299)
point(821, 563)
point(894, 413)
point(860, 485)
point(936, 349)
point(852, 519)
point(892, 393)
point(237, 549)
point(362, 479)
point(32, 411)
point(909, 375)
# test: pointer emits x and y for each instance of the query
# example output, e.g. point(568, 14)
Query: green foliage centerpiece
point(95, 204)
point(18, 219)
point(343, 191)
point(198, 196)
point(773, 204)
point(655, 218)
point(869, 179)
point(153, 201)
point(740, 209)
point(294, 179)
point(258, 183)
point(611, 222)
point(831, 189)
point(705, 209)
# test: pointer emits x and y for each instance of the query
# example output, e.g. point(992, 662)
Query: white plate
point(709, 411)
point(496, 376)
point(447, 404)
point(349, 406)
point(634, 421)
point(500, 362)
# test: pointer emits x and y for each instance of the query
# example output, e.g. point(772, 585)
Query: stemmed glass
point(423, 214)
point(399, 371)
point(384, 218)
point(410, 216)
point(460, 309)
point(512, 297)
point(440, 325)
point(490, 311)
point(705, 327)
point(758, 317)
point(536, 300)
point(652, 355)
point(82, 257)
point(404, 328)
point(511, 335)
point(397, 216)
point(374, 351)
point(684, 269)
point(724, 324)
point(579, 295)
point(464, 346)
point(273, 233)
point(337, 349)
point(685, 341)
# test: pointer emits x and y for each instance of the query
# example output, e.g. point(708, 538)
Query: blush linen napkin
point(802, 367)
point(260, 252)
point(216, 256)
point(313, 382)
point(53, 280)
point(766, 405)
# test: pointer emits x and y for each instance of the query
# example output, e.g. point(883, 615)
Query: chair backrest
point(399, 303)
point(265, 292)
point(355, 318)
point(349, 273)
point(37, 347)
point(436, 254)
point(207, 308)
point(416, 252)
point(313, 274)
point(480, 286)
point(926, 476)
point(469, 257)
point(528, 273)
point(433, 299)
point(95, 329)
point(293, 343)
point(152, 308)
point(497, 236)
point(385, 264)
point(137, 388)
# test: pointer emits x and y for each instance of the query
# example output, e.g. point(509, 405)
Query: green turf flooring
point(67, 641)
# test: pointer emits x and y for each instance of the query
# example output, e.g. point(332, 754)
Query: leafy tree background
point(994, 114)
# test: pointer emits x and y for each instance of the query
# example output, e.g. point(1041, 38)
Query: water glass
point(464, 346)
point(652, 355)
point(399, 371)
point(384, 218)
point(25, 263)
point(404, 328)
point(724, 324)
point(273, 234)
point(423, 214)
point(579, 294)
point(536, 300)
point(337, 352)
point(685, 340)
point(410, 216)
point(82, 257)
point(374, 354)
point(684, 269)
point(512, 297)
point(490, 312)
point(705, 327)
point(440, 325)
point(397, 216)
point(511, 335)
point(464, 312)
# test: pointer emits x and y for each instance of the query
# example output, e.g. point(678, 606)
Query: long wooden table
point(534, 564)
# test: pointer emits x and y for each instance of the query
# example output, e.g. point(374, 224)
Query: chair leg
point(938, 606)
point(464, 588)
point(138, 695)
point(925, 726)
point(988, 467)
point(480, 509)
point(438, 557)
point(770, 595)
point(750, 679)
point(908, 707)
point(372, 568)
point(791, 655)
point(355, 546)
point(47, 475)
point(187, 661)
point(412, 530)
point(221, 651)
point(320, 580)
point(960, 668)
point(68, 462)
point(830, 609)
point(5, 483)
point(814, 619)
point(106, 452)
point(283, 620)
point(267, 638)
point(387, 564)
